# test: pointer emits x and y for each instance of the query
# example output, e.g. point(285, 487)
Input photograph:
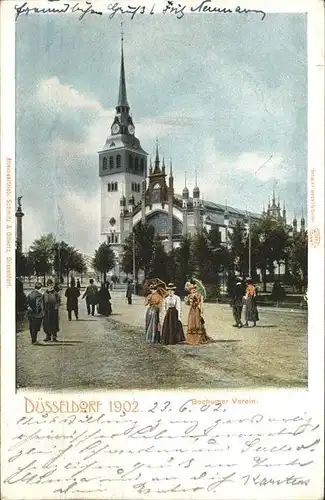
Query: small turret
point(196, 192)
point(163, 165)
point(294, 224)
point(185, 193)
point(171, 177)
point(284, 213)
point(302, 223)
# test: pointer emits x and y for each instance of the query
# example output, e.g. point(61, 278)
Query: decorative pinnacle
point(195, 176)
point(171, 168)
point(157, 153)
point(185, 178)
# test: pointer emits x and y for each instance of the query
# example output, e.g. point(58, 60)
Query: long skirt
point(104, 308)
point(196, 333)
point(251, 313)
point(51, 321)
point(152, 325)
point(172, 329)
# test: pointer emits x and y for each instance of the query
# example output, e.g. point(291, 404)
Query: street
point(110, 353)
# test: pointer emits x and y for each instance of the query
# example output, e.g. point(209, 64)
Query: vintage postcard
point(162, 249)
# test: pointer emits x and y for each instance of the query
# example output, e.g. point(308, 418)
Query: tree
point(203, 258)
point(143, 244)
point(42, 253)
point(159, 267)
point(104, 259)
point(299, 259)
point(183, 261)
point(67, 259)
point(238, 249)
point(21, 263)
point(270, 245)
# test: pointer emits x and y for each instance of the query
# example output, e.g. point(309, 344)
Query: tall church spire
point(122, 97)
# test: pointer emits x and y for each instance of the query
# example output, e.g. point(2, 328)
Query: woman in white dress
point(172, 329)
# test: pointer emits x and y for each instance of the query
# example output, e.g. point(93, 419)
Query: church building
point(133, 191)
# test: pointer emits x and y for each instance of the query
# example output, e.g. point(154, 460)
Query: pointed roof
point(171, 168)
point(196, 190)
point(157, 169)
point(122, 97)
point(273, 198)
point(185, 193)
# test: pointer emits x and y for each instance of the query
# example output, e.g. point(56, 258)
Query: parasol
point(200, 288)
point(158, 283)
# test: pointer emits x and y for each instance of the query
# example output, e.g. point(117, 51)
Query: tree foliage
point(104, 259)
point(143, 243)
point(46, 255)
point(159, 264)
point(299, 259)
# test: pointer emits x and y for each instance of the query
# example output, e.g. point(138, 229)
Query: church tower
point(122, 168)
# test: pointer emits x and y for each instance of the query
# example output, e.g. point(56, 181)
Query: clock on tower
point(115, 128)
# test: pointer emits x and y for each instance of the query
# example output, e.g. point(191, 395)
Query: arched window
point(115, 186)
point(138, 188)
point(109, 186)
point(111, 162)
point(118, 161)
point(104, 163)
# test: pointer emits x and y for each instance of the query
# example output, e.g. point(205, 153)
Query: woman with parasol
point(154, 301)
point(196, 333)
point(172, 329)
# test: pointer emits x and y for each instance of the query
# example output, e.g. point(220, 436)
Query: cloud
point(220, 100)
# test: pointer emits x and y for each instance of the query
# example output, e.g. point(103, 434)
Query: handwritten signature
point(171, 7)
point(94, 453)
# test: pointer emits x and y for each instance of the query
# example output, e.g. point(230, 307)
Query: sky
point(224, 95)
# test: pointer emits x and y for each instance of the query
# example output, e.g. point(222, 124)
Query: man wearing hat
point(237, 302)
point(35, 312)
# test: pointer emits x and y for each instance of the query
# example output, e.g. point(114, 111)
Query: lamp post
point(248, 228)
point(226, 223)
point(133, 261)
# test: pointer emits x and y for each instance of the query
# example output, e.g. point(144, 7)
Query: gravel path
point(110, 353)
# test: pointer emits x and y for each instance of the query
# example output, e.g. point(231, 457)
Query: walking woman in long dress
point(104, 301)
point(251, 312)
point(196, 333)
point(154, 303)
point(172, 329)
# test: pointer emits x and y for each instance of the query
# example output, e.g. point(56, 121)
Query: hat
point(49, 282)
point(170, 286)
point(152, 287)
point(38, 285)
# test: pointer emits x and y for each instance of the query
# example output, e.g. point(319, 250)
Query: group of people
point(244, 292)
point(162, 300)
point(43, 308)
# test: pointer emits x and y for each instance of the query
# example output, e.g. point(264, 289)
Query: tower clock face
point(115, 128)
point(131, 129)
